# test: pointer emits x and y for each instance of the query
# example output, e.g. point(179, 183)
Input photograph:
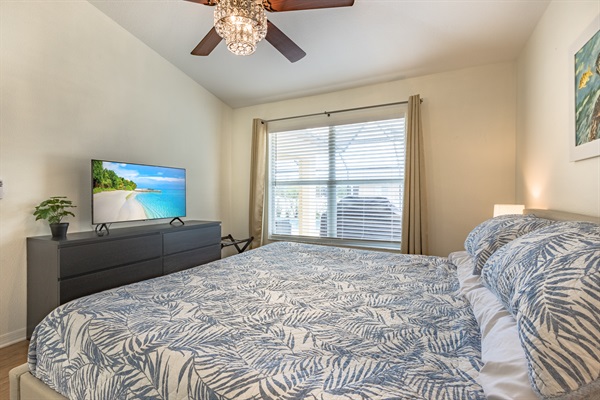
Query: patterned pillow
point(494, 233)
point(472, 241)
point(550, 281)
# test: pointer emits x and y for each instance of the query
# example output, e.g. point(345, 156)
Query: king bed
point(514, 316)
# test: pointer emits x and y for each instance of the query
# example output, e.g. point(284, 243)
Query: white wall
point(545, 176)
point(469, 126)
point(74, 86)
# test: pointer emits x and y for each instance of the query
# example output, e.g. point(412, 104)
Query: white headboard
point(561, 215)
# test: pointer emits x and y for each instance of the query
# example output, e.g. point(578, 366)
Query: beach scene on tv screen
point(133, 192)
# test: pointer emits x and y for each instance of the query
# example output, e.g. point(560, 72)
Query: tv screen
point(134, 192)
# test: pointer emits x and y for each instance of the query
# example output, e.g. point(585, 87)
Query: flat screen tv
point(123, 192)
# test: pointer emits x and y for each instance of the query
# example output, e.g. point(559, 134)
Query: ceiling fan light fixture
point(242, 23)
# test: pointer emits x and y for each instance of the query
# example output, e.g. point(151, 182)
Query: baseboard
point(12, 337)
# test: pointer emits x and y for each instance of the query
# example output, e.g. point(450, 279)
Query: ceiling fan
point(243, 23)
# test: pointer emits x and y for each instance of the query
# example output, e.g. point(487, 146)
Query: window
point(338, 184)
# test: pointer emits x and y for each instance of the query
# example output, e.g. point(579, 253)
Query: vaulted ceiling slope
point(371, 42)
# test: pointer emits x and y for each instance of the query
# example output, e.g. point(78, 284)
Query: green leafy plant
point(54, 209)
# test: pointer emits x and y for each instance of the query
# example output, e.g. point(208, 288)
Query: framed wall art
point(584, 138)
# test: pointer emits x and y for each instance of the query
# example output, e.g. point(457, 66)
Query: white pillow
point(463, 260)
point(504, 373)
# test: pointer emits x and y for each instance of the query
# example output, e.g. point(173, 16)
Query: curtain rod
point(328, 113)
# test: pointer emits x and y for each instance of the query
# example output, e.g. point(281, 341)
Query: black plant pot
point(59, 231)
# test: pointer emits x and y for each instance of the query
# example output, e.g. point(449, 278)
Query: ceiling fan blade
point(205, 2)
point(295, 5)
point(208, 44)
point(284, 44)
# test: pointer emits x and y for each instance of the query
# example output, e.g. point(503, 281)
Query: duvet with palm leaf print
point(285, 321)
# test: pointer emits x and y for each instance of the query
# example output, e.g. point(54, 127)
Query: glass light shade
point(504, 209)
point(242, 23)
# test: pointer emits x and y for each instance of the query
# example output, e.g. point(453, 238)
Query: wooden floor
point(10, 357)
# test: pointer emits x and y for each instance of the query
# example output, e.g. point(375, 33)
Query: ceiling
point(373, 41)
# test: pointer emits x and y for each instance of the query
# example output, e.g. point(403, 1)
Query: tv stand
point(84, 262)
point(176, 219)
point(98, 229)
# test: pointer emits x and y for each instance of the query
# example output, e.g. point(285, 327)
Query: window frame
point(344, 242)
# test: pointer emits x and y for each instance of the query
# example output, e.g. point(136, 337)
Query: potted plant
point(54, 210)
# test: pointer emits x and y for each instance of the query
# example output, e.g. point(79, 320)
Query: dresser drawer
point(189, 259)
point(83, 259)
point(175, 242)
point(92, 283)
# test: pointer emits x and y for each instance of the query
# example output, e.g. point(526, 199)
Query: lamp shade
point(503, 209)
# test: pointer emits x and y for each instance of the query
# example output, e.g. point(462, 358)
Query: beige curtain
point(414, 214)
point(258, 167)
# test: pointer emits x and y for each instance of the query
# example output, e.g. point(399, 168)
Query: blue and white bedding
point(286, 320)
point(545, 277)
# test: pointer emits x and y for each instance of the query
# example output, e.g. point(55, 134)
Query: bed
point(295, 321)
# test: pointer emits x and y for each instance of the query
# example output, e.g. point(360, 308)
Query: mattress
point(287, 320)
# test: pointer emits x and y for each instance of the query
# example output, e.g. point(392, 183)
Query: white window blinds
point(338, 184)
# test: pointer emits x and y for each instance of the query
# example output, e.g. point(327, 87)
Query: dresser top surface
point(118, 233)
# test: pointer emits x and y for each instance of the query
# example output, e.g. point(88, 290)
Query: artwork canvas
point(585, 142)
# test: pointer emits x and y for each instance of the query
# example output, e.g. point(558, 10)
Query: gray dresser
point(84, 263)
